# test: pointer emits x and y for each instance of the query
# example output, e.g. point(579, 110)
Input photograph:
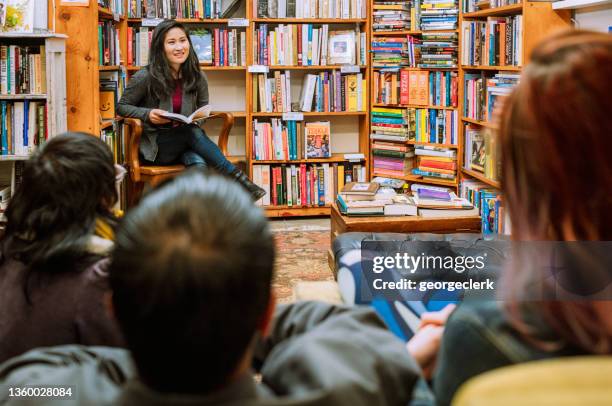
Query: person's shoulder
point(71, 366)
point(141, 74)
point(479, 318)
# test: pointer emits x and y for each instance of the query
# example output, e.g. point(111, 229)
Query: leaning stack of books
point(394, 52)
point(436, 163)
point(434, 201)
point(371, 199)
point(391, 15)
point(439, 15)
point(439, 50)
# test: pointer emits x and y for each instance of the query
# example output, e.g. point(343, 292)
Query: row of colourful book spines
point(289, 139)
point(264, 52)
point(491, 48)
point(492, 213)
point(7, 147)
point(108, 41)
point(185, 9)
point(308, 183)
point(428, 128)
point(439, 93)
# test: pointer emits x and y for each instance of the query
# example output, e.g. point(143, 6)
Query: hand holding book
point(202, 112)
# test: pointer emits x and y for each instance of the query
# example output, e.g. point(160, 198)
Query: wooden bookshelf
point(415, 33)
point(339, 119)
point(480, 176)
point(539, 19)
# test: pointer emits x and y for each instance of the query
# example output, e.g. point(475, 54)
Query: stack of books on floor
point(305, 184)
point(391, 124)
point(370, 199)
point(495, 42)
point(435, 163)
point(433, 201)
point(438, 15)
point(490, 205)
point(394, 52)
point(392, 159)
point(439, 50)
point(391, 15)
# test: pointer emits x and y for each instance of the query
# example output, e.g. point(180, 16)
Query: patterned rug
point(301, 256)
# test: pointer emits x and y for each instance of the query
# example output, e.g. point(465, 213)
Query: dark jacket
point(137, 102)
point(64, 308)
point(478, 337)
point(316, 354)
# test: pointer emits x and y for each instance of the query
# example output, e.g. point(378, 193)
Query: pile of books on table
point(434, 201)
point(372, 199)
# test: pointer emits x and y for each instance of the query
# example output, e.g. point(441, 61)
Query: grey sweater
point(136, 102)
point(316, 354)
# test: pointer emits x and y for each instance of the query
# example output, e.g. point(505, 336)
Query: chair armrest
point(228, 123)
point(135, 133)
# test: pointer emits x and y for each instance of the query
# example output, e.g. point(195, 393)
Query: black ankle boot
point(255, 191)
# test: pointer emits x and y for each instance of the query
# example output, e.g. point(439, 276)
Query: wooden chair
point(151, 174)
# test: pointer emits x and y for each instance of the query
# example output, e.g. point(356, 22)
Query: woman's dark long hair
point(66, 184)
point(162, 81)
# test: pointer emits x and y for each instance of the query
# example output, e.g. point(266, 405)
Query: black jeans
point(189, 145)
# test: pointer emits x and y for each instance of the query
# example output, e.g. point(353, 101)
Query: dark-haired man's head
point(191, 276)
point(68, 183)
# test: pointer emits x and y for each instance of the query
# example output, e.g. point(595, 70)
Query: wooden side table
point(398, 224)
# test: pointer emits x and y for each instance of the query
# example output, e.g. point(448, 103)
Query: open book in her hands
point(202, 112)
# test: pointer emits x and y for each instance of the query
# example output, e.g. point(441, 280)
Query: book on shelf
point(113, 137)
point(435, 163)
point(438, 50)
point(304, 185)
point(308, 45)
point(322, 92)
point(390, 15)
point(469, 6)
point(111, 86)
point(338, 9)
point(114, 6)
point(108, 43)
point(474, 148)
point(192, 9)
point(483, 93)
point(494, 42)
point(317, 138)
point(436, 126)
point(438, 15)
point(22, 70)
point(407, 87)
point(278, 139)
point(23, 126)
point(202, 42)
point(18, 15)
point(395, 52)
point(490, 205)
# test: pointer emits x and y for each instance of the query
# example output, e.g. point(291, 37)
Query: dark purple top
point(177, 96)
point(65, 308)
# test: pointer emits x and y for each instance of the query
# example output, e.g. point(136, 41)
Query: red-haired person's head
point(556, 144)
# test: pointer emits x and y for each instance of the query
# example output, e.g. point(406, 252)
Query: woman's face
point(176, 46)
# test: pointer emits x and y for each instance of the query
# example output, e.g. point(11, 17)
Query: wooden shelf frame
point(496, 11)
point(479, 176)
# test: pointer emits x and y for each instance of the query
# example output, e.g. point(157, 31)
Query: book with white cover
point(448, 212)
point(202, 112)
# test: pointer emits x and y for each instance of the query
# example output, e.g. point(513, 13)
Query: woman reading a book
point(171, 85)
point(556, 139)
point(54, 251)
